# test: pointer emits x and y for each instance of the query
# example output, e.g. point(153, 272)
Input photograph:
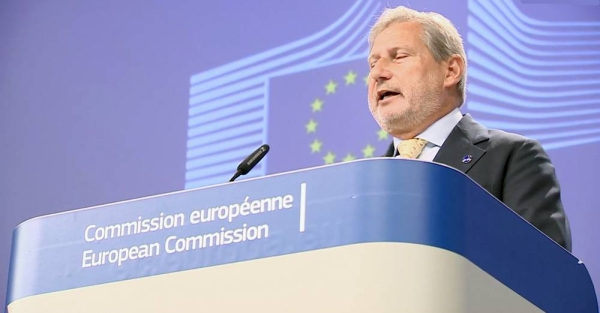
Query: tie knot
point(411, 148)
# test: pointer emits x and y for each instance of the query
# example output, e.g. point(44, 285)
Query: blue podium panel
point(377, 235)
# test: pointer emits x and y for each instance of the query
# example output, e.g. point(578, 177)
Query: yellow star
point(330, 87)
point(349, 157)
point(382, 134)
point(311, 126)
point(329, 158)
point(315, 146)
point(368, 151)
point(350, 78)
point(366, 80)
point(317, 105)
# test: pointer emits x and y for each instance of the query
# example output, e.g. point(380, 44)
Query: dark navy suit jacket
point(514, 169)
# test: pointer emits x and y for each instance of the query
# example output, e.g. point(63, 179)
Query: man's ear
point(455, 67)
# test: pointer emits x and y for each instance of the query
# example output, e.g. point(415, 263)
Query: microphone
point(250, 162)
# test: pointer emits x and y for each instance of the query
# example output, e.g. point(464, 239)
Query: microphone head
point(253, 159)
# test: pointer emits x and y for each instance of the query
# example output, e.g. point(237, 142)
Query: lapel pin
point(467, 158)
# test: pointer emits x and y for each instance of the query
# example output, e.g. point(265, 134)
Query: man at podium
point(417, 79)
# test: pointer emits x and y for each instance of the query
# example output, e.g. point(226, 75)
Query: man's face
point(405, 82)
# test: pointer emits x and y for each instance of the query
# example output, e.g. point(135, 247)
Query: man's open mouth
point(382, 95)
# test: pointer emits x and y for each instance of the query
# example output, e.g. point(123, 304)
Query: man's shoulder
point(514, 146)
point(501, 138)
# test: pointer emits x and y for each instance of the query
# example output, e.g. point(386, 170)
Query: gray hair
point(439, 35)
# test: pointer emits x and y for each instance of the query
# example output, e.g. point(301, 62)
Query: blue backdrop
point(101, 102)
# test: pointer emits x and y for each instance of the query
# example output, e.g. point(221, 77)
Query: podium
point(372, 235)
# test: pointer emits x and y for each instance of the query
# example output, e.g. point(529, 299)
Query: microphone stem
point(236, 175)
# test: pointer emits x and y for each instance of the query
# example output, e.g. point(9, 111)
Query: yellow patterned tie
point(411, 148)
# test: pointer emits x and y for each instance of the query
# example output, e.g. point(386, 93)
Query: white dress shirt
point(435, 135)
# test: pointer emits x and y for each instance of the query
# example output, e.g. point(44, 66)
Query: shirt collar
point(437, 132)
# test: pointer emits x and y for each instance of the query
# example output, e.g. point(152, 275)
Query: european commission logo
point(239, 106)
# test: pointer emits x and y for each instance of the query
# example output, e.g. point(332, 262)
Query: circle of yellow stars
point(312, 125)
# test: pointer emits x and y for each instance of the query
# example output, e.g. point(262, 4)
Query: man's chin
point(396, 124)
point(392, 120)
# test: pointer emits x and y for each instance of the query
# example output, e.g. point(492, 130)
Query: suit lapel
point(462, 142)
point(390, 150)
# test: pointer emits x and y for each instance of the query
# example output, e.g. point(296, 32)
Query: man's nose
point(380, 71)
